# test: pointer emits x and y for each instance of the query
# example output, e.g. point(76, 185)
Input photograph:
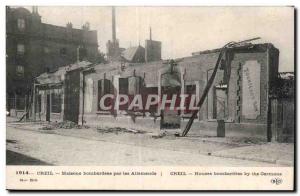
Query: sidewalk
point(279, 153)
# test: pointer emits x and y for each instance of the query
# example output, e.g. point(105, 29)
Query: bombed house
point(138, 90)
point(239, 94)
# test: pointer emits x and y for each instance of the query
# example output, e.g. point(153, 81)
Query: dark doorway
point(48, 108)
point(171, 117)
point(220, 103)
point(72, 90)
point(171, 85)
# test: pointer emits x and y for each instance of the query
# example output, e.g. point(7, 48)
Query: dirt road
point(65, 150)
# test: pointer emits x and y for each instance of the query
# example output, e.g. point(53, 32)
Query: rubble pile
point(248, 140)
point(117, 130)
point(67, 125)
point(47, 127)
point(64, 125)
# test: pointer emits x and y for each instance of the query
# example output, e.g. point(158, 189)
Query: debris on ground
point(64, 125)
point(177, 134)
point(167, 135)
point(70, 125)
point(117, 130)
point(248, 140)
point(47, 127)
point(234, 140)
point(161, 135)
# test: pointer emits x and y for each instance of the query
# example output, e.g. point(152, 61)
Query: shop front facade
point(239, 94)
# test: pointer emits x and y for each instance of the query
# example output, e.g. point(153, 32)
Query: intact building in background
point(33, 47)
point(136, 54)
point(153, 49)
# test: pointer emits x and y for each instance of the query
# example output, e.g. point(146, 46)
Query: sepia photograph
point(149, 87)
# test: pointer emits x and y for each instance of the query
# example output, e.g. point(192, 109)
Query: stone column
point(62, 101)
point(182, 90)
point(117, 91)
point(159, 92)
point(197, 84)
point(81, 98)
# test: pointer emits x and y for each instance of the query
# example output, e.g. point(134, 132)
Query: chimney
point(34, 9)
point(152, 49)
point(69, 25)
point(113, 25)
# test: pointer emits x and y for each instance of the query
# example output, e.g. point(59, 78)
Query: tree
point(283, 87)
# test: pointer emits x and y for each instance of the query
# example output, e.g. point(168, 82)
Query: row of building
point(240, 95)
point(34, 47)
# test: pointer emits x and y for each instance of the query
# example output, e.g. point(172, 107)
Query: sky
point(183, 30)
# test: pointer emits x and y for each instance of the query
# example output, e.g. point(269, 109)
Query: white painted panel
point(251, 90)
point(88, 95)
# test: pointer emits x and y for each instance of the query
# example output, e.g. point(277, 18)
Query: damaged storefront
point(94, 95)
point(57, 94)
point(239, 94)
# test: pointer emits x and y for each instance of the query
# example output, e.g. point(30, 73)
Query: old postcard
point(150, 98)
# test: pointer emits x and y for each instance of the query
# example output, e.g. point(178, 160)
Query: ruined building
point(240, 93)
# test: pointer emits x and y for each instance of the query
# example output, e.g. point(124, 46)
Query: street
point(54, 149)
